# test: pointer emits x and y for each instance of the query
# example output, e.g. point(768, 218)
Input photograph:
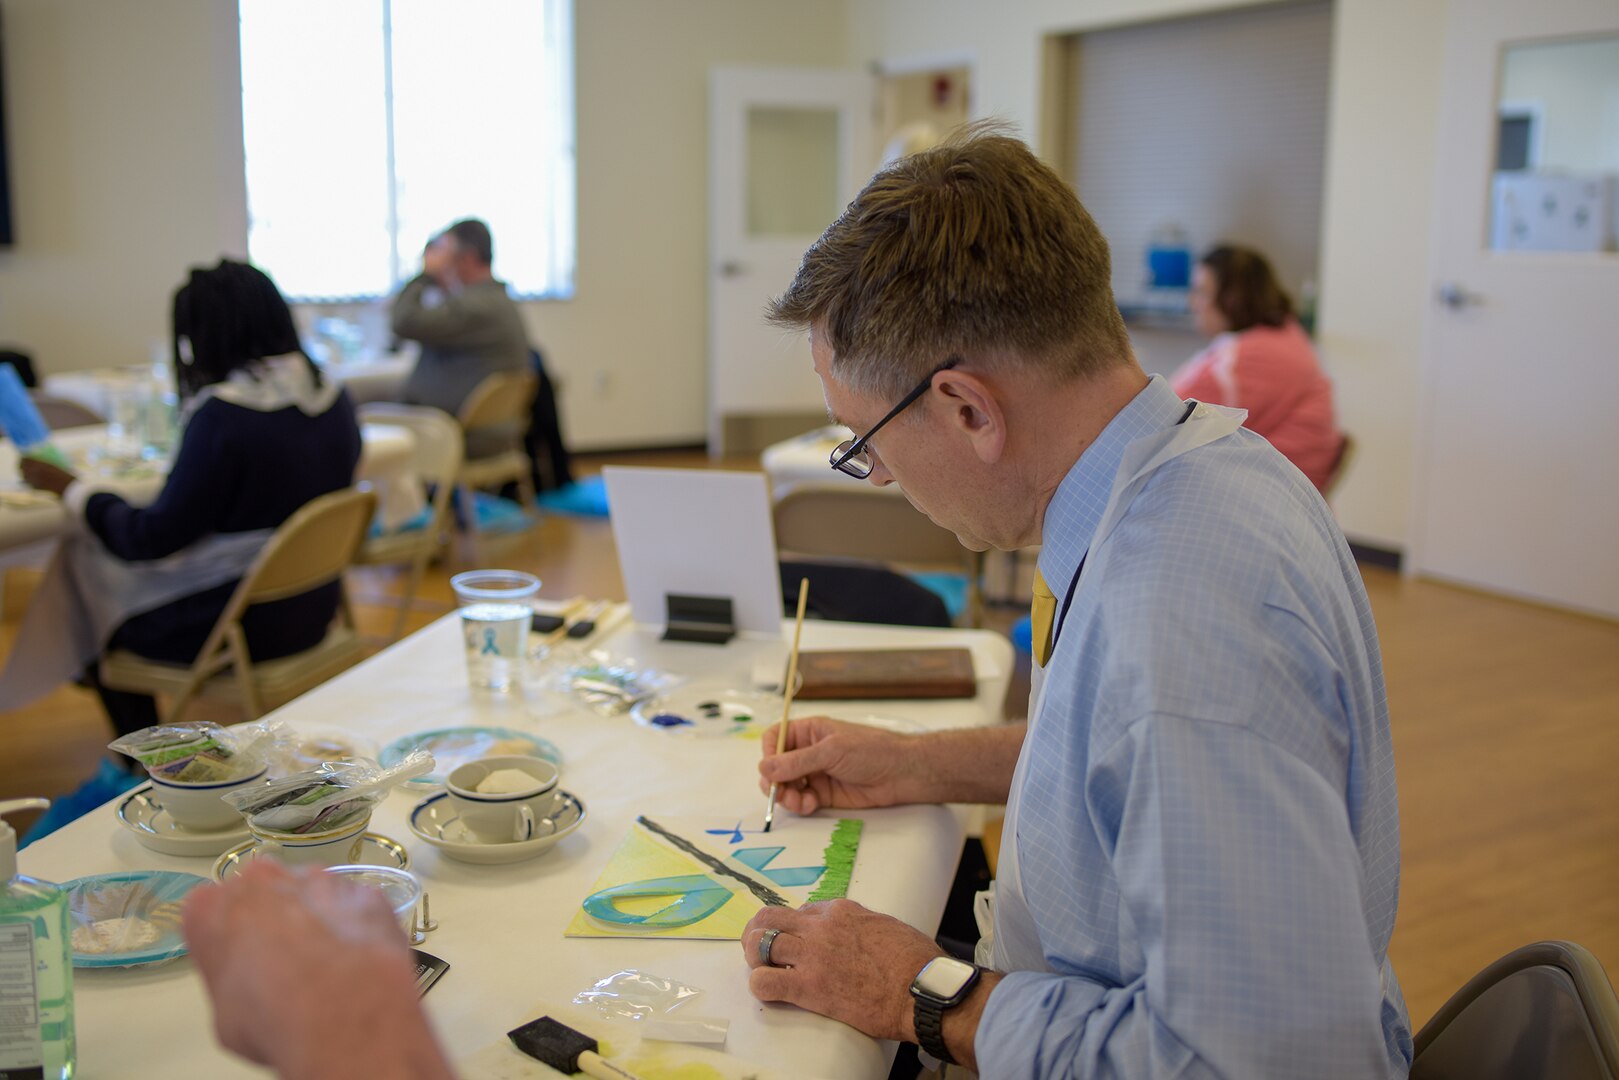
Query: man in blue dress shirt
point(1200, 862)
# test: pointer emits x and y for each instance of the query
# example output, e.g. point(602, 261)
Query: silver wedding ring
point(766, 940)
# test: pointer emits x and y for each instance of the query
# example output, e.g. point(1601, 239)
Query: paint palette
point(709, 710)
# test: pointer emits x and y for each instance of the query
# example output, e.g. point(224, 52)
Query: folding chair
point(497, 413)
point(59, 413)
point(436, 461)
point(840, 520)
point(1545, 1010)
point(311, 548)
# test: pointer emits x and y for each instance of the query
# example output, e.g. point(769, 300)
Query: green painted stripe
point(840, 852)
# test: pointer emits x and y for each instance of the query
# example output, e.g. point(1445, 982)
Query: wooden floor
point(1506, 725)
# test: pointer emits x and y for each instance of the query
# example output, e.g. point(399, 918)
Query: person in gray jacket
point(468, 327)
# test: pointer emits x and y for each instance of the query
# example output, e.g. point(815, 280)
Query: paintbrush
point(585, 624)
point(545, 623)
point(553, 1043)
point(787, 694)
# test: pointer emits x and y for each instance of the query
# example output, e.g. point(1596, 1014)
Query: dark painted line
point(763, 892)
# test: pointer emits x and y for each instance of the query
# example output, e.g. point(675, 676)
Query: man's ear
point(974, 410)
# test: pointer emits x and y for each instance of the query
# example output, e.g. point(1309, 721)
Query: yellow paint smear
point(656, 1068)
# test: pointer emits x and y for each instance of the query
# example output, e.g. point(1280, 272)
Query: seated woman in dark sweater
point(264, 434)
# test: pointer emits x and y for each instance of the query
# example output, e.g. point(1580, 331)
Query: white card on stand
point(696, 532)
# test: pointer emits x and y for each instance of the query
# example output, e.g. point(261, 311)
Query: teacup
point(201, 807)
point(506, 816)
point(331, 847)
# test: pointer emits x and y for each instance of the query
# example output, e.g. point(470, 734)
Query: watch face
point(944, 978)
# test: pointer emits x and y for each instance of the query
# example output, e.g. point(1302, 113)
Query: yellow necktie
point(1042, 613)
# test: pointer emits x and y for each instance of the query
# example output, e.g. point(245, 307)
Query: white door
point(1518, 473)
point(788, 149)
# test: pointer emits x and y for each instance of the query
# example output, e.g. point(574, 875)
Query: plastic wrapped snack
point(201, 753)
point(306, 748)
point(610, 685)
point(327, 797)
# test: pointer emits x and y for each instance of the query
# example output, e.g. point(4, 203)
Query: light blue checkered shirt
point(1207, 835)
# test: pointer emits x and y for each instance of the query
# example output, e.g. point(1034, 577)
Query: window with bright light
point(371, 125)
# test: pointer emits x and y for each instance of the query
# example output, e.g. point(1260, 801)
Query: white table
point(386, 452)
point(502, 926)
point(375, 378)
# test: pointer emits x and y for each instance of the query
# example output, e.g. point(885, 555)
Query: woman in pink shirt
point(1260, 360)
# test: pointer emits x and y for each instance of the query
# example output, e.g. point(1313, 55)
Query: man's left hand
point(838, 959)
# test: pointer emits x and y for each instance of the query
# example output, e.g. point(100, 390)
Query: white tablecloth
point(502, 926)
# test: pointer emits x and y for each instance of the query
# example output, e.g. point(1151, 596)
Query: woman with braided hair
point(263, 434)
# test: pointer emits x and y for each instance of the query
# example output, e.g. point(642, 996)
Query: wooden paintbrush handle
point(593, 1064)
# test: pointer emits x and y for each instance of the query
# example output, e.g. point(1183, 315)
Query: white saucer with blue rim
point(435, 820)
point(141, 812)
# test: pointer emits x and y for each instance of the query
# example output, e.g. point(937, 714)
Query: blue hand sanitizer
point(36, 967)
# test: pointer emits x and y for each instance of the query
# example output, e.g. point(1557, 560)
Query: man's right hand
point(838, 764)
point(438, 263)
point(834, 763)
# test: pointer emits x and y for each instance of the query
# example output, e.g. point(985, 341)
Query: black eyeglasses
point(850, 456)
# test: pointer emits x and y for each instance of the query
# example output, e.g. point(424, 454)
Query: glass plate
point(454, 747)
point(151, 896)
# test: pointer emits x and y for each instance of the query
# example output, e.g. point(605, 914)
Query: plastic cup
point(399, 887)
point(495, 612)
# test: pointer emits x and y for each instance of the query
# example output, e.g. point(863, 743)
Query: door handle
point(1455, 297)
point(732, 268)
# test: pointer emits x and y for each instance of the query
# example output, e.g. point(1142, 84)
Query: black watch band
point(929, 1019)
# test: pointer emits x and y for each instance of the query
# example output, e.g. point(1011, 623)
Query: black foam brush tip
point(552, 1043)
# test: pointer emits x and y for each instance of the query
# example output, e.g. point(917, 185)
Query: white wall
point(1380, 162)
point(124, 131)
point(125, 139)
point(640, 312)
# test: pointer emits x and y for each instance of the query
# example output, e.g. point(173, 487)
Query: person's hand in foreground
point(310, 975)
point(44, 476)
point(841, 960)
point(833, 763)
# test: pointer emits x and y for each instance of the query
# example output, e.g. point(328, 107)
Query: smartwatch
point(942, 985)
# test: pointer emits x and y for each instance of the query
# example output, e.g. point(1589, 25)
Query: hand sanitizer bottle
point(36, 968)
